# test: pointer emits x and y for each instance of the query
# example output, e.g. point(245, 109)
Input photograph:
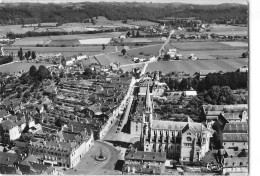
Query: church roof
point(187, 119)
point(173, 125)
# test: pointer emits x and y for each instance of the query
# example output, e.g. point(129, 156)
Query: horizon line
point(195, 2)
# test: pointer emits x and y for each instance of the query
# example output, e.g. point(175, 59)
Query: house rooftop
point(236, 127)
point(8, 124)
point(8, 158)
point(146, 156)
point(235, 137)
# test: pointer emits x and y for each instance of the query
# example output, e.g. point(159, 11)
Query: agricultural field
point(17, 66)
point(14, 29)
point(57, 43)
point(142, 23)
point(204, 46)
point(228, 30)
point(236, 44)
point(97, 41)
point(146, 51)
point(214, 54)
point(211, 50)
point(191, 67)
point(66, 51)
point(143, 40)
point(31, 41)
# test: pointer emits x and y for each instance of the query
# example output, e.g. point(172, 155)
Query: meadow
point(191, 67)
point(229, 30)
point(66, 51)
point(204, 46)
point(17, 66)
point(147, 52)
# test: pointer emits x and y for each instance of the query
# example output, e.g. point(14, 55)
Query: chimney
point(8, 159)
point(85, 130)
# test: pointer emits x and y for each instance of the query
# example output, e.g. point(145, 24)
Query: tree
point(43, 73)
point(226, 96)
point(138, 33)
point(26, 56)
point(58, 122)
point(20, 53)
point(123, 51)
point(183, 84)
point(29, 53)
point(103, 46)
point(88, 72)
point(213, 93)
point(33, 55)
point(63, 62)
point(33, 71)
point(128, 34)
point(133, 33)
point(167, 57)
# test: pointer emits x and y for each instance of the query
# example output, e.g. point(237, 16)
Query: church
point(185, 140)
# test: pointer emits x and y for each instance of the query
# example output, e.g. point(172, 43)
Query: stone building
point(144, 162)
point(185, 141)
point(66, 151)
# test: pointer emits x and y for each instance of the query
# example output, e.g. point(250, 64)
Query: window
point(188, 144)
point(233, 143)
point(224, 143)
point(188, 138)
point(189, 133)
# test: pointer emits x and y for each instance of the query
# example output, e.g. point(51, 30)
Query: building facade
point(185, 141)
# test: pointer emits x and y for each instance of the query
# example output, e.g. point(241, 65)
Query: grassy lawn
point(15, 67)
point(189, 66)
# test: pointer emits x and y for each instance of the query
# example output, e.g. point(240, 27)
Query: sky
point(155, 1)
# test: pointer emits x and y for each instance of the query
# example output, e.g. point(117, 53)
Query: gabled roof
point(236, 127)
point(187, 119)
point(8, 158)
point(30, 158)
point(173, 125)
point(235, 137)
point(8, 124)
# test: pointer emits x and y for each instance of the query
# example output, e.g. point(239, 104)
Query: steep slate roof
point(30, 158)
point(8, 158)
point(8, 124)
point(236, 127)
point(7, 170)
point(146, 156)
point(173, 125)
point(235, 137)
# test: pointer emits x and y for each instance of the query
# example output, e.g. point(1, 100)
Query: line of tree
point(12, 35)
point(27, 55)
point(36, 13)
point(5, 59)
point(234, 80)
